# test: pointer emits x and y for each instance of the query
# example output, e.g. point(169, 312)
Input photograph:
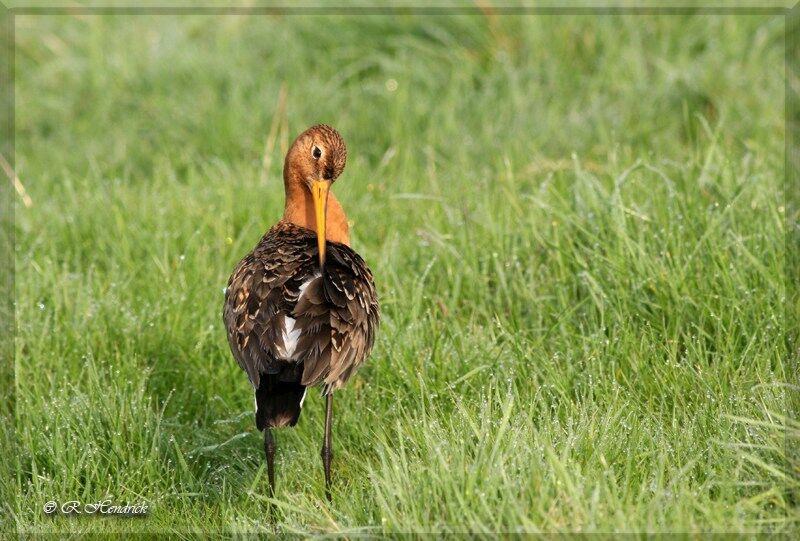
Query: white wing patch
point(291, 333)
point(290, 337)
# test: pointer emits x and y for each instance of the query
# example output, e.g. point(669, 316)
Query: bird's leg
point(327, 454)
point(269, 450)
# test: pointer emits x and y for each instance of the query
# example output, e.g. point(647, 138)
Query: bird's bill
point(319, 192)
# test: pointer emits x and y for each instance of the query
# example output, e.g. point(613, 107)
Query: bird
point(301, 308)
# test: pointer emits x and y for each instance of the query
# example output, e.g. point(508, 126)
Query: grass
point(576, 226)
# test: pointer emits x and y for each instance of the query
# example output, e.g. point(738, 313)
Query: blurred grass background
point(576, 228)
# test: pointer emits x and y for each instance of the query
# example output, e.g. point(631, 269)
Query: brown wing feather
point(354, 313)
point(336, 314)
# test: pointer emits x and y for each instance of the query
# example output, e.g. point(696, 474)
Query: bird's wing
point(339, 314)
point(261, 293)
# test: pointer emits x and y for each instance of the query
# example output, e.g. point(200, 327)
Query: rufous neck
point(299, 210)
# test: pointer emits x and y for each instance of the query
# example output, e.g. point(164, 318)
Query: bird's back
point(291, 326)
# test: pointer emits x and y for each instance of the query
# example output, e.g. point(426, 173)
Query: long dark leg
point(269, 450)
point(327, 454)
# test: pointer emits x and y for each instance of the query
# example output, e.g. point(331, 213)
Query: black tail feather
point(278, 402)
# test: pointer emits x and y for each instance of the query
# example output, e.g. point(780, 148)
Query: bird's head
point(315, 160)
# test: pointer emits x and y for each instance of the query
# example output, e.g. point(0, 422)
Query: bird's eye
point(316, 153)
